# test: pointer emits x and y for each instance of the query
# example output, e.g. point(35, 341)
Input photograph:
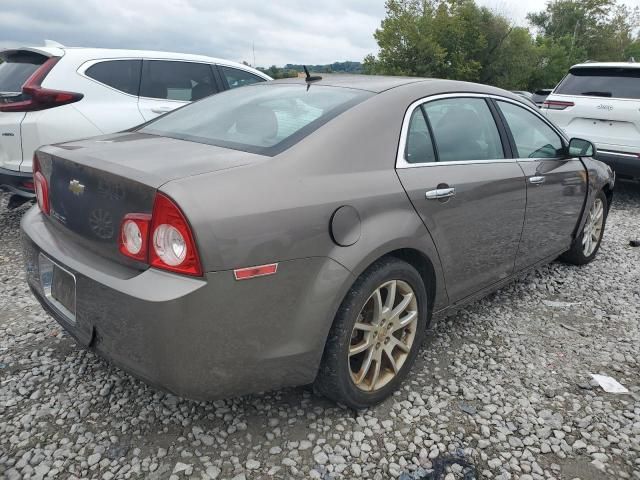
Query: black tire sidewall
point(337, 383)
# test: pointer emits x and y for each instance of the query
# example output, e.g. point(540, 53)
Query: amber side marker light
point(253, 272)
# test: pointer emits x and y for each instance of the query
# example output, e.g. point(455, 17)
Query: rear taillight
point(163, 239)
point(35, 97)
point(134, 236)
point(557, 105)
point(41, 186)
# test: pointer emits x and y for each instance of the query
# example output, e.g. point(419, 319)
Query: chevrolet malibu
point(303, 231)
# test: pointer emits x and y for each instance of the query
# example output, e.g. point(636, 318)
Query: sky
point(281, 31)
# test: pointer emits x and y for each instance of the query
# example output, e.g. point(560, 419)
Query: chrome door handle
point(440, 193)
point(537, 180)
point(161, 109)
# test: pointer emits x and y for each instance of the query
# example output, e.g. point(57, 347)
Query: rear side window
point(602, 82)
point(239, 78)
point(532, 136)
point(123, 75)
point(182, 81)
point(419, 145)
point(265, 119)
point(464, 129)
point(16, 68)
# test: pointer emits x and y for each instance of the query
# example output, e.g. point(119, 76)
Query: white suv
point(55, 94)
point(601, 102)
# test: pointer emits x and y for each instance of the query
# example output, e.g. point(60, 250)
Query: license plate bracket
point(59, 287)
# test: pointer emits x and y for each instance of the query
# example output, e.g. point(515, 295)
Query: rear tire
point(362, 365)
point(586, 245)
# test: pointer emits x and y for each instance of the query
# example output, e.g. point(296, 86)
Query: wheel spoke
point(360, 347)
point(402, 306)
point(376, 371)
point(365, 327)
point(405, 321)
point(377, 306)
point(364, 368)
point(388, 352)
point(391, 295)
point(395, 342)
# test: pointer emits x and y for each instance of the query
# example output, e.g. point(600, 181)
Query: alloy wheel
point(593, 228)
point(383, 335)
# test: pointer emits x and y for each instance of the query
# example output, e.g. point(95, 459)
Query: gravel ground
point(501, 390)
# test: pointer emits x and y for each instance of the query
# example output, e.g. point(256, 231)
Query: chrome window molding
point(401, 161)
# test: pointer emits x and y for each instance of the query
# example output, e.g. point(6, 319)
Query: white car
point(601, 102)
point(54, 94)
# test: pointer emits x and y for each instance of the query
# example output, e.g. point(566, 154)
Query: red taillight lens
point(134, 236)
point(557, 105)
point(41, 186)
point(172, 246)
point(162, 239)
point(38, 98)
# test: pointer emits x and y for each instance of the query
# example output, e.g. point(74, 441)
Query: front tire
point(586, 245)
point(376, 335)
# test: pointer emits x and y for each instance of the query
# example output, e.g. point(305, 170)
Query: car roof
point(88, 53)
point(607, 65)
point(380, 84)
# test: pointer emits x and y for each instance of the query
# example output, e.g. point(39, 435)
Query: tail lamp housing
point(38, 98)
point(41, 187)
point(557, 105)
point(163, 239)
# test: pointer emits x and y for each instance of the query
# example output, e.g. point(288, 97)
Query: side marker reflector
point(252, 272)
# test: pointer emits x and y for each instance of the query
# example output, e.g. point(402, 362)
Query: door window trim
point(212, 68)
point(402, 163)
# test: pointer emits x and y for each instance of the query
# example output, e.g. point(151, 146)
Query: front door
point(470, 196)
point(556, 185)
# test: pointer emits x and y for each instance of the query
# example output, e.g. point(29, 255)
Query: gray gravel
point(501, 389)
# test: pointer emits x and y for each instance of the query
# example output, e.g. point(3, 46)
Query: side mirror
point(581, 148)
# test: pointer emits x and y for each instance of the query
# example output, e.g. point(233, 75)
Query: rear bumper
point(624, 164)
point(202, 338)
point(14, 182)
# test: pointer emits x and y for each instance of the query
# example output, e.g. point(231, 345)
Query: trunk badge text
point(76, 187)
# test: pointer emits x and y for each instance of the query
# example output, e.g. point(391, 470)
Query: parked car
point(539, 96)
point(601, 102)
point(54, 94)
point(309, 233)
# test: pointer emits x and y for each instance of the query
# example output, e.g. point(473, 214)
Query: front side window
point(264, 119)
point(532, 136)
point(181, 81)
point(419, 148)
point(602, 82)
point(464, 130)
point(123, 75)
point(239, 78)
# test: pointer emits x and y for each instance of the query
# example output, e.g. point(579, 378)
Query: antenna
point(253, 46)
point(310, 78)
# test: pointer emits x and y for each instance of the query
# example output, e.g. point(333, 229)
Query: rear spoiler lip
point(44, 51)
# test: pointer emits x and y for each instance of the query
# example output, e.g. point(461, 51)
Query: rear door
point(16, 67)
point(556, 185)
point(599, 104)
point(169, 84)
point(455, 166)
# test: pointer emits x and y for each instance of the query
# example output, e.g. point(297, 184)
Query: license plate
point(59, 287)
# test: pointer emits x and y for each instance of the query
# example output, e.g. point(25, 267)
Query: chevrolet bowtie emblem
point(76, 187)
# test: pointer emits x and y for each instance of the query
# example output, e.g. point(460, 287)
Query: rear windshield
point(602, 82)
point(16, 68)
point(263, 119)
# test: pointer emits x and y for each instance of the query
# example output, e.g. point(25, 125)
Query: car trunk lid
point(94, 183)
